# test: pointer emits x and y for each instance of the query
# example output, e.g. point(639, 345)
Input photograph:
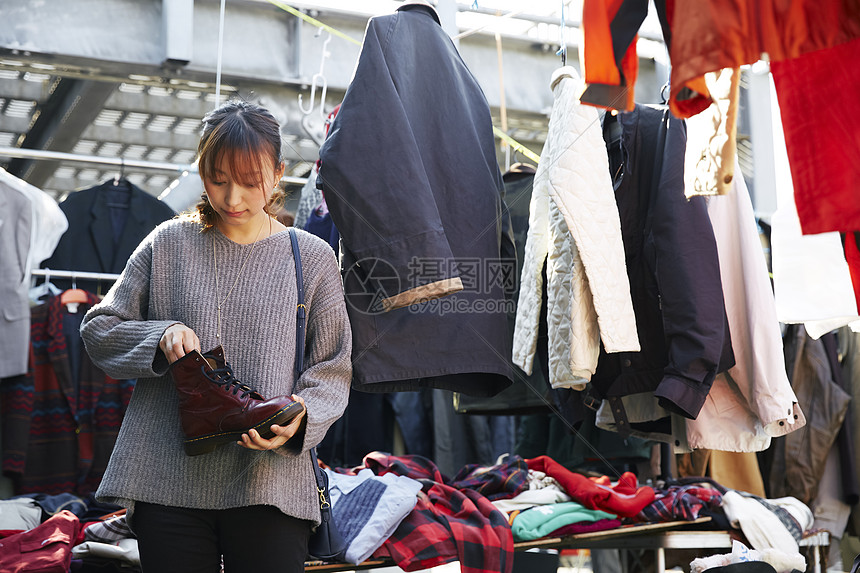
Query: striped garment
point(58, 428)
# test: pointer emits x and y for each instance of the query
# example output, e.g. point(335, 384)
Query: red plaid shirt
point(681, 502)
point(501, 481)
point(446, 525)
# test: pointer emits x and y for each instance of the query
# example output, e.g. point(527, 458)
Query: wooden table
point(656, 536)
point(662, 536)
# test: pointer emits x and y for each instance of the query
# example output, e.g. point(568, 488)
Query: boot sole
point(208, 443)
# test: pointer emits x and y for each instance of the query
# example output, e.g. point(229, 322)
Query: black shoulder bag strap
point(301, 316)
point(301, 310)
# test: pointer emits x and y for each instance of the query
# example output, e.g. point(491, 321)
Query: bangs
point(242, 165)
point(236, 149)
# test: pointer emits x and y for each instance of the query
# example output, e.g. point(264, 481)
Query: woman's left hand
point(253, 441)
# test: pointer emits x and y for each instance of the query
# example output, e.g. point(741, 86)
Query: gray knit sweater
point(170, 278)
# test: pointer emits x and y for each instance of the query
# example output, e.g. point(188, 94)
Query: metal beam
point(60, 102)
point(14, 124)
point(22, 89)
point(270, 56)
point(263, 46)
point(142, 137)
point(177, 18)
point(68, 112)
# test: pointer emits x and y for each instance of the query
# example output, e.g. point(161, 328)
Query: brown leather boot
point(216, 409)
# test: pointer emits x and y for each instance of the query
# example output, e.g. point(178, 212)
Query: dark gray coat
point(410, 175)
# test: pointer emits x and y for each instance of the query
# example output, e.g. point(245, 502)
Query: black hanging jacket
point(674, 272)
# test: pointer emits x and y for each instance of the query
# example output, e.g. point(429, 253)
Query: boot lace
point(227, 381)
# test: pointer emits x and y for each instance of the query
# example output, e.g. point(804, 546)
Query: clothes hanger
point(522, 167)
point(562, 50)
point(318, 77)
point(317, 81)
point(73, 297)
point(119, 192)
point(120, 177)
point(41, 291)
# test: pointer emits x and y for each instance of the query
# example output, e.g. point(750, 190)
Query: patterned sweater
point(170, 278)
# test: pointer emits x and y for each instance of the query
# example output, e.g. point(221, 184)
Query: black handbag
point(326, 542)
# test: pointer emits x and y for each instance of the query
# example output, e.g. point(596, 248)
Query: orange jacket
point(704, 36)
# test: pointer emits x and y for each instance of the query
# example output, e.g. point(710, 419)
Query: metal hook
point(318, 77)
point(562, 51)
point(119, 176)
point(74, 281)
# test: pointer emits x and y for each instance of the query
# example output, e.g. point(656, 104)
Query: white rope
point(220, 54)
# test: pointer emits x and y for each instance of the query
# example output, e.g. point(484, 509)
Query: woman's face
point(240, 195)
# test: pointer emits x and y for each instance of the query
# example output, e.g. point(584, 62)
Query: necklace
point(235, 282)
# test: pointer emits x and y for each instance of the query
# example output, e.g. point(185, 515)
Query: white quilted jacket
point(574, 226)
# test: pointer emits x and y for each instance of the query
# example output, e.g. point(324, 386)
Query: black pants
point(250, 539)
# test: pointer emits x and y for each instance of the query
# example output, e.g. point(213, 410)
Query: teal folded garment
point(540, 521)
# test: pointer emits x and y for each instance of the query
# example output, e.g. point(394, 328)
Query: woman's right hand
point(177, 341)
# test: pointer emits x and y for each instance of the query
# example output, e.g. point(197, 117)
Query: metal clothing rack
point(178, 168)
point(20, 153)
point(83, 275)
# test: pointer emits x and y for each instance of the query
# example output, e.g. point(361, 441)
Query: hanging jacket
point(410, 175)
point(16, 225)
point(822, 147)
point(704, 36)
point(61, 420)
point(674, 275)
point(319, 223)
point(589, 294)
point(716, 34)
point(849, 350)
point(753, 401)
point(549, 247)
point(30, 227)
point(811, 277)
point(101, 237)
point(799, 458)
point(309, 198)
point(528, 393)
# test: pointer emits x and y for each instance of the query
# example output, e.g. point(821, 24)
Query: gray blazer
point(16, 220)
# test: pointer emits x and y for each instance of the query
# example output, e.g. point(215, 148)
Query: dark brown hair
point(244, 134)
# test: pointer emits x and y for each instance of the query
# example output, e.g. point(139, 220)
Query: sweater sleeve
point(324, 384)
point(116, 333)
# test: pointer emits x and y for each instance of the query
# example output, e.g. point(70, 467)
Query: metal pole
point(117, 161)
point(74, 275)
point(133, 163)
point(537, 19)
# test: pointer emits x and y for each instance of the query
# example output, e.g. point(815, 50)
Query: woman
point(218, 286)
